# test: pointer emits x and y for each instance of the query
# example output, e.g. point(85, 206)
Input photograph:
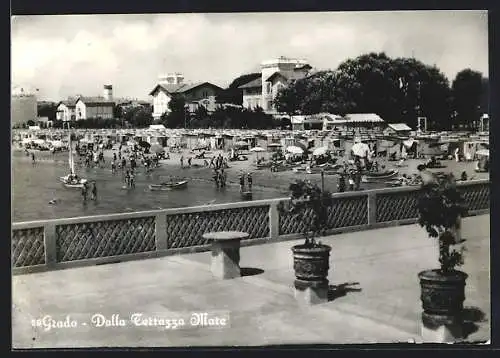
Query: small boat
point(376, 176)
point(72, 180)
point(169, 186)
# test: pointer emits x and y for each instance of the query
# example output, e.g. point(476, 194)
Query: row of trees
point(398, 90)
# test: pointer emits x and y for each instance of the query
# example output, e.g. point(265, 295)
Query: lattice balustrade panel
point(477, 197)
point(186, 230)
point(291, 224)
point(347, 212)
point(27, 247)
point(105, 238)
point(343, 213)
point(397, 206)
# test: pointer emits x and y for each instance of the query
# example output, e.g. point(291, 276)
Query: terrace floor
point(376, 300)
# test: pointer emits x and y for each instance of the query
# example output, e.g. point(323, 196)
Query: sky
point(66, 55)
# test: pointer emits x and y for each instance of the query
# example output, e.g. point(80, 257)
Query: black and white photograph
point(250, 179)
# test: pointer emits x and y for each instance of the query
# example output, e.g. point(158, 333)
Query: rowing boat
point(169, 186)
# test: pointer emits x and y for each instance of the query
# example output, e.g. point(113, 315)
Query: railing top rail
point(215, 207)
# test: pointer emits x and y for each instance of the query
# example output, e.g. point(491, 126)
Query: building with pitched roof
point(94, 107)
point(66, 110)
point(275, 74)
point(195, 94)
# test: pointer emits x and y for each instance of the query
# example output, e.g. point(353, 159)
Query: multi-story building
point(195, 94)
point(275, 74)
point(94, 107)
point(66, 110)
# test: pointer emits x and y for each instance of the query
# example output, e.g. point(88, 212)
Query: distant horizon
point(82, 53)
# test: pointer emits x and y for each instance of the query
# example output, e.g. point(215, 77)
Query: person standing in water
point(242, 182)
point(84, 192)
point(249, 181)
point(93, 192)
point(132, 179)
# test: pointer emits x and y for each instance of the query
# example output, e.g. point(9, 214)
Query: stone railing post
point(372, 208)
point(50, 244)
point(274, 221)
point(161, 238)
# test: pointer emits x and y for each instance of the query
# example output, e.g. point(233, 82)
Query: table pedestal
point(226, 253)
point(226, 259)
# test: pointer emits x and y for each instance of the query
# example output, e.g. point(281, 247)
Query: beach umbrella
point(320, 151)
point(360, 149)
point(157, 149)
point(485, 152)
point(257, 149)
point(294, 149)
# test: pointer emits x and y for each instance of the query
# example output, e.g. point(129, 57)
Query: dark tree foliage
point(398, 90)
point(467, 91)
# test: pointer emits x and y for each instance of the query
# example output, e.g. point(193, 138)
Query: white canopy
point(294, 150)
point(361, 150)
point(257, 149)
point(320, 151)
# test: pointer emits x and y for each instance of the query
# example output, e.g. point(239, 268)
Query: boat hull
point(163, 187)
point(376, 178)
point(79, 185)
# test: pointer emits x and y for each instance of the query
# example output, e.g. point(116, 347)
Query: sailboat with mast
point(72, 180)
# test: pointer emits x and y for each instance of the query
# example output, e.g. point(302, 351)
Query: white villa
point(275, 74)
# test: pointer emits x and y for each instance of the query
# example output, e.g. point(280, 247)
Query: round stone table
point(226, 253)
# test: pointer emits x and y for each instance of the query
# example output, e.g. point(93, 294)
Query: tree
point(47, 109)
point(142, 118)
point(467, 90)
point(398, 90)
point(177, 117)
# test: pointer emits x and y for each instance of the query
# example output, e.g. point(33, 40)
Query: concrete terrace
point(375, 295)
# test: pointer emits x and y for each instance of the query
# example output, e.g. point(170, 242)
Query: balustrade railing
point(61, 243)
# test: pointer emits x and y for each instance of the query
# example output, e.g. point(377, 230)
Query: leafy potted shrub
point(441, 207)
point(309, 204)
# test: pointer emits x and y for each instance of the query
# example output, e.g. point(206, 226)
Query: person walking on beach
point(351, 181)
point(113, 166)
point(189, 161)
point(249, 181)
point(341, 184)
point(33, 160)
point(124, 163)
point(114, 156)
point(212, 162)
point(182, 161)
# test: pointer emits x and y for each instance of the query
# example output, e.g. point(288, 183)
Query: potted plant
point(441, 207)
point(309, 203)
